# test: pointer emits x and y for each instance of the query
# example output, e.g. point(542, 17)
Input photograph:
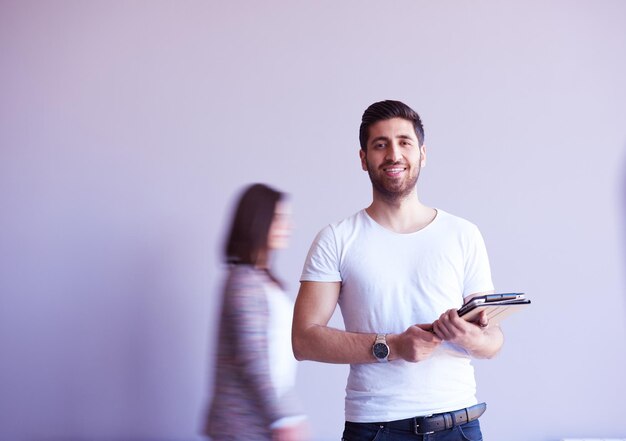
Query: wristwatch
point(380, 348)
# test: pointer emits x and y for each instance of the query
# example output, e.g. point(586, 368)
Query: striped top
point(255, 368)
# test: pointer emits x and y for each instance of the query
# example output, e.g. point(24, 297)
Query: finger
point(427, 332)
point(454, 318)
point(452, 322)
point(445, 315)
point(483, 320)
point(442, 330)
point(436, 329)
point(426, 327)
point(452, 313)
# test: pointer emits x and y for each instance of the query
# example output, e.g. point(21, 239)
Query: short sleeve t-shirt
point(390, 281)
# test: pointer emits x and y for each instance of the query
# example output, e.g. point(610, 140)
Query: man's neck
point(404, 215)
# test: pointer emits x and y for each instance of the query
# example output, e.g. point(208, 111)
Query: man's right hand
point(415, 344)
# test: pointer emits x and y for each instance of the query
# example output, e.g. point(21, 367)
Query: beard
point(392, 189)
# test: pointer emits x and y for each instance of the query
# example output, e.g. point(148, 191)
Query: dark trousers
point(379, 432)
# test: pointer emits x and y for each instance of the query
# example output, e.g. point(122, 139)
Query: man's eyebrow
point(379, 138)
point(385, 138)
point(405, 137)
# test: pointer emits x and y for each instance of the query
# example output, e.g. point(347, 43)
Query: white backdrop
point(126, 129)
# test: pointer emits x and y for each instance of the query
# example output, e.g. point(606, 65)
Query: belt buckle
point(417, 421)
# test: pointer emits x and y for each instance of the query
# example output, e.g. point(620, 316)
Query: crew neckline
point(424, 228)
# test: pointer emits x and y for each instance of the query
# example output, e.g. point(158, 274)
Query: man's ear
point(362, 155)
point(423, 155)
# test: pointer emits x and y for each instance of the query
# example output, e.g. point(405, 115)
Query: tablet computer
point(498, 306)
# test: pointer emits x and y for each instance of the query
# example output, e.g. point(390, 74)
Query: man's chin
point(392, 189)
point(393, 194)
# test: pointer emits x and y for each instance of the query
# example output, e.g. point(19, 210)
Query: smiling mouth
point(394, 170)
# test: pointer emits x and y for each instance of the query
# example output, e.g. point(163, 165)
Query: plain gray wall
point(127, 128)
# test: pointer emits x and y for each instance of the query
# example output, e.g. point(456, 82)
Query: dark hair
point(384, 110)
point(247, 239)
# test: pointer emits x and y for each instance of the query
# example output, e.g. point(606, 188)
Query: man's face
point(393, 159)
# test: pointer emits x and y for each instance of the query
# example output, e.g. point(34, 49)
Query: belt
point(424, 425)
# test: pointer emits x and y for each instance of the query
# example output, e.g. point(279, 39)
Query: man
point(399, 270)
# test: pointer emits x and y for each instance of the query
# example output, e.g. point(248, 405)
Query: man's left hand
point(450, 327)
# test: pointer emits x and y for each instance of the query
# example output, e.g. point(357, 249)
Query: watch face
point(381, 350)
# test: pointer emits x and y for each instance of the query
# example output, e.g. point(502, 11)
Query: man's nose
point(393, 152)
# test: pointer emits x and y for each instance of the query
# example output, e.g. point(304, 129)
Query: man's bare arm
point(313, 340)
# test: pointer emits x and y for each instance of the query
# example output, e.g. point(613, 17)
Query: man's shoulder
point(350, 220)
point(347, 223)
point(346, 227)
point(453, 221)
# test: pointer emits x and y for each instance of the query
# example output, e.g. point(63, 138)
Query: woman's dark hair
point(247, 239)
point(384, 110)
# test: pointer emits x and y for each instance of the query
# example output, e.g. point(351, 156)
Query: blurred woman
point(255, 369)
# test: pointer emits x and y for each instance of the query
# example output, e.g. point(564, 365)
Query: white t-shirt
point(390, 281)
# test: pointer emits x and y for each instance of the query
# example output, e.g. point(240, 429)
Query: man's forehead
point(393, 128)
